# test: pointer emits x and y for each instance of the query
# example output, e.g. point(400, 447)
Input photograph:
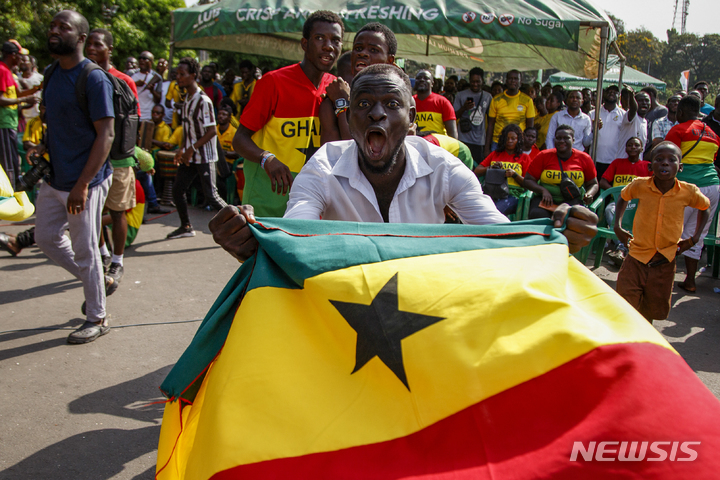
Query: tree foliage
point(665, 59)
point(137, 25)
point(642, 50)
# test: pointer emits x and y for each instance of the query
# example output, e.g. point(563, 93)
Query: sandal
point(88, 332)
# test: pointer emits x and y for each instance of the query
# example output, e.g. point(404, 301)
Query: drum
point(165, 165)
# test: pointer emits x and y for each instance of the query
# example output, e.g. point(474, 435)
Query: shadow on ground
point(102, 454)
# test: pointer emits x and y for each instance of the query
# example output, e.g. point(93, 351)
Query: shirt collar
point(673, 191)
point(347, 166)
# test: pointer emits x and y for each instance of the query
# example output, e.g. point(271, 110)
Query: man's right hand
point(280, 177)
point(469, 104)
point(230, 230)
point(38, 150)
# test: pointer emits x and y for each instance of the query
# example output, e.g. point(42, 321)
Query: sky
point(655, 15)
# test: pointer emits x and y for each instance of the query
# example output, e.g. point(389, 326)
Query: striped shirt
point(198, 114)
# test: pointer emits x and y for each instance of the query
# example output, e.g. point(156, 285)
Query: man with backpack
point(121, 196)
point(79, 144)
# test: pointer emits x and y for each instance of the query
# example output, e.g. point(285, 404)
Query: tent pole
point(172, 40)
point(427, 46)
point(622, 63)
point(601, 71)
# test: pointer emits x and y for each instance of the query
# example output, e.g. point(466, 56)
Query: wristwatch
point(341, 104)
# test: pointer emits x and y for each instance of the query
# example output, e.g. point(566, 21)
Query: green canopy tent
point(631, 77)
point(497, 35)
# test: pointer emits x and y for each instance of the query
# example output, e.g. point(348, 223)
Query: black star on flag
point(310, 150)
point(381, 326)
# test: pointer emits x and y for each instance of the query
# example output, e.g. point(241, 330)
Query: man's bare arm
point(279, 173)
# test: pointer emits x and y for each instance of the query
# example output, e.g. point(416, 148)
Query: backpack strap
point(46, 77)
point(81, 86)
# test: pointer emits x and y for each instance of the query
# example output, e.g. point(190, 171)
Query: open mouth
point(327, 58)
point(359, 66)
point(376, 140)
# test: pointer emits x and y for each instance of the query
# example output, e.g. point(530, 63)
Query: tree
point(642, 50)
point(618, 23)
point(700, 55)
point(137, 25)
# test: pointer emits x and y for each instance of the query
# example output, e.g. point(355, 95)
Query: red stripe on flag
point(629, 392)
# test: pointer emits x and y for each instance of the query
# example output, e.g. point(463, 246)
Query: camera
point(40, 168)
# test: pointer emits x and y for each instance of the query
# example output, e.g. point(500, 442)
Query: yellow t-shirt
point(542, 124)
point(507, 109)
point(240, 91)
point(226, 140)
point(162, 132)
point(177, 136)
point(174, 92)
point(34, 133)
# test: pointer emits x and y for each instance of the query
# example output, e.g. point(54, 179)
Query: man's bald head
point(75, 19)
point(386, 70)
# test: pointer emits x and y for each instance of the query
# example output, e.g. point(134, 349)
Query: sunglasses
point(144, 58)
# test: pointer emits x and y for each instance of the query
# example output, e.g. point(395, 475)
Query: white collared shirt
point(331, 186)
point(607, 144)
point(581, 124)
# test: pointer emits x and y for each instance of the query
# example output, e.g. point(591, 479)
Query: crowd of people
point(361, 145)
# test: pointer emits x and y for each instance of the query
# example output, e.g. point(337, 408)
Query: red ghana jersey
point(621, 172)
point(283, 113)
point(698, 167)
point(520, 163)
point(546, 168)
point(433, 112)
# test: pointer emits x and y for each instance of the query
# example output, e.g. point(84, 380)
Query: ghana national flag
point(283, 113)
point(378, 351)
point(135, 215)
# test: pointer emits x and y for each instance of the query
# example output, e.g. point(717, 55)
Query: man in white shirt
point(384, 176)
point(633, 123)
point(149, 85)
point(573, 116)
point(611, 117)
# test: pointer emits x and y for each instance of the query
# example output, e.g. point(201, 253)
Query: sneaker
point(185, 231)
point(116, 272)
point(157, 209)
point(617, 257)
point(106, 260)
point(110, 285)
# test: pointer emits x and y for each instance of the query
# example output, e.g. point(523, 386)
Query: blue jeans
point(148, 187)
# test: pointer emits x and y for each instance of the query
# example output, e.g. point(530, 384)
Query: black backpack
point(125, 105)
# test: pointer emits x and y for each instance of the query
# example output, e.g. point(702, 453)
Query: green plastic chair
point(605, 231)
point(231, 182)
point(712, 243)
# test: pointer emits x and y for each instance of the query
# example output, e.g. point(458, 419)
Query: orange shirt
point(658, 221)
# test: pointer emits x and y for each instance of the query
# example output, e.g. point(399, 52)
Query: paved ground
point(81, 412)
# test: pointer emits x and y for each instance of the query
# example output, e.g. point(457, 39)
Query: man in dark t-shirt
point(79, 145)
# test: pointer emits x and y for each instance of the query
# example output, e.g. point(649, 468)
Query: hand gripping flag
point(383, 351)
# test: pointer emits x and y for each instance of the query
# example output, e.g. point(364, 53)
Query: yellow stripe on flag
point(282, 385)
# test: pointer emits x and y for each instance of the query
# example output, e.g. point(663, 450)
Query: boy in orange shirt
point(647, 274)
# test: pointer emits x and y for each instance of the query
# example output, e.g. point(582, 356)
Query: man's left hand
point(77, 198)
point(581, 225)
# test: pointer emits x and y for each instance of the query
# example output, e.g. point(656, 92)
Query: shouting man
point(384, 175)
